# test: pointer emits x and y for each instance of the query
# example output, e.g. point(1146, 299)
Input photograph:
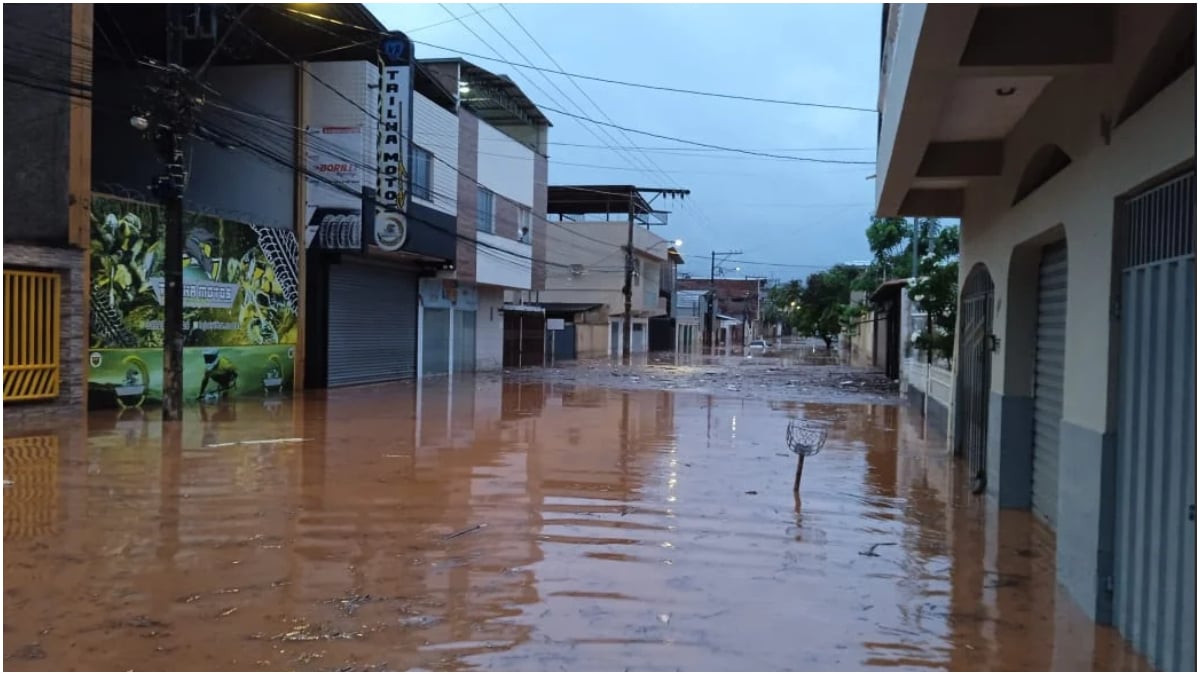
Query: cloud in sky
point(774, 211)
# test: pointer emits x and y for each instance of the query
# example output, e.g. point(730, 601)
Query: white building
point(1064, 137)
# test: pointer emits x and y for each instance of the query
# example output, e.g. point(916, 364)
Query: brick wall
point(540, 181)
point(468, 167)
point(69, 263)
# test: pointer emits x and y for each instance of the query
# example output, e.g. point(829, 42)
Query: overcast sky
point(775, 211)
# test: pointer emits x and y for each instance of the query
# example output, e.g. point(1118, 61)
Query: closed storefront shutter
point(1048, 380)
point(464, 341)
point(436, 341)
point(372, 324)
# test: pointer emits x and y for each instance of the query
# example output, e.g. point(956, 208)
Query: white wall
point(510, 266)
point(353, 80)
point(436, 130)
point(489, 330)
point(1080, 200)
point(505, 166)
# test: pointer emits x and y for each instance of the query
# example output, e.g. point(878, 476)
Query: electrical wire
point(677, 90)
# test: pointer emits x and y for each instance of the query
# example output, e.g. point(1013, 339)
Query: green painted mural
point(241, 295)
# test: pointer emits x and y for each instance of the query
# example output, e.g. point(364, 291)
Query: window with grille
point(31, 335)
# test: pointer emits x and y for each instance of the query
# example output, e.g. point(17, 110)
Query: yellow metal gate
point(31, 335)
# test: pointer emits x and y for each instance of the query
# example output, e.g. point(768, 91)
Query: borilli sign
point(395, 129)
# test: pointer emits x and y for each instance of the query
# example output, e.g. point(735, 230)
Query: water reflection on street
point(483, 524)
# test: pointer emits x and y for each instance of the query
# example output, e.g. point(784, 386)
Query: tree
point(935, 290)
point(825, 302)
point(782, 303)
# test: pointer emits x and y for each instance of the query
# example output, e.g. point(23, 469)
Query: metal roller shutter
point(464, 341)
point(1048, 379)
point(372, 324)
point(436, 341)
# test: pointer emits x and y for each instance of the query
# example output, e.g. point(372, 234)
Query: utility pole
point(168, 120)
point(172, 119)
point(634, 193)
point(627, 324)
point(712, 289)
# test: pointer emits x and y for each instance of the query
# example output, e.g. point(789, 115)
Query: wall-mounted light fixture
point(993, 343)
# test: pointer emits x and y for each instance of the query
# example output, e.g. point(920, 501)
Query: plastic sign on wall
point(333, 157)
point(395, 130)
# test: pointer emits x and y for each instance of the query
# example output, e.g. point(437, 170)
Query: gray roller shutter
point(372, 324)
point(464, 341)
point(1048, 379)
point(436, 341)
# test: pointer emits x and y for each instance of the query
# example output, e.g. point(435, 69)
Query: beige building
point(1064, 138)
point(585, 266)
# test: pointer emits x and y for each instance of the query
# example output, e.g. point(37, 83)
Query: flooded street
point(542, 522)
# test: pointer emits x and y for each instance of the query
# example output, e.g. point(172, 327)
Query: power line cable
point(677, 90)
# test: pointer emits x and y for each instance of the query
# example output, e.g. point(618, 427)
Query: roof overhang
point(956, 78)
point(888, 290)
point(674, 256)
point(303, 32)
point(582, 200)
point(493, 98)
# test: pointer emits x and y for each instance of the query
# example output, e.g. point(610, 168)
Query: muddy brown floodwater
point(496, 524)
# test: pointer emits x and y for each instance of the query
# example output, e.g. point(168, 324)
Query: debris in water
point(258, 442)
point(751, 492)
point(462, 532)
point(7, 483)
point(227, 612)
point(29, 652)
point(870, 552)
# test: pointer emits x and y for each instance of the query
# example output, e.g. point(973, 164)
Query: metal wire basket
point(805, 440)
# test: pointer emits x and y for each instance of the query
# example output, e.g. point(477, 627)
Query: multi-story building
point(585, 265)
point(47, 185)
point(739, 301)
point(289, 282)
point(1069, 156)
point(500, 188)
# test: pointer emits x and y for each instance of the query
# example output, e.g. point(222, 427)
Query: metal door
point(435, 341)
point(464, 341)
point(372, 324)
point(975, 374)
point(638, 341)
point(1048, 379)
point(1154, 582)
point(560, 344)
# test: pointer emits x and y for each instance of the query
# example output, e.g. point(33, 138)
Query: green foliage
point(935, 291)
point(825, 302)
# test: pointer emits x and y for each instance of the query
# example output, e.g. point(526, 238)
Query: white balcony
point(500, 261)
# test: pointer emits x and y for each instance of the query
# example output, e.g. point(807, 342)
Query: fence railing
point(32, 325)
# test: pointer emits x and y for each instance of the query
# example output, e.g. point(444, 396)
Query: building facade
point(739, 301)
point(585, 263)
point(47, 182)
point(501, 215)
point(1069, 157)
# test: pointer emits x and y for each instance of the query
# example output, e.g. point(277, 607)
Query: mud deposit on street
point(500, 524)
point(804, 375)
